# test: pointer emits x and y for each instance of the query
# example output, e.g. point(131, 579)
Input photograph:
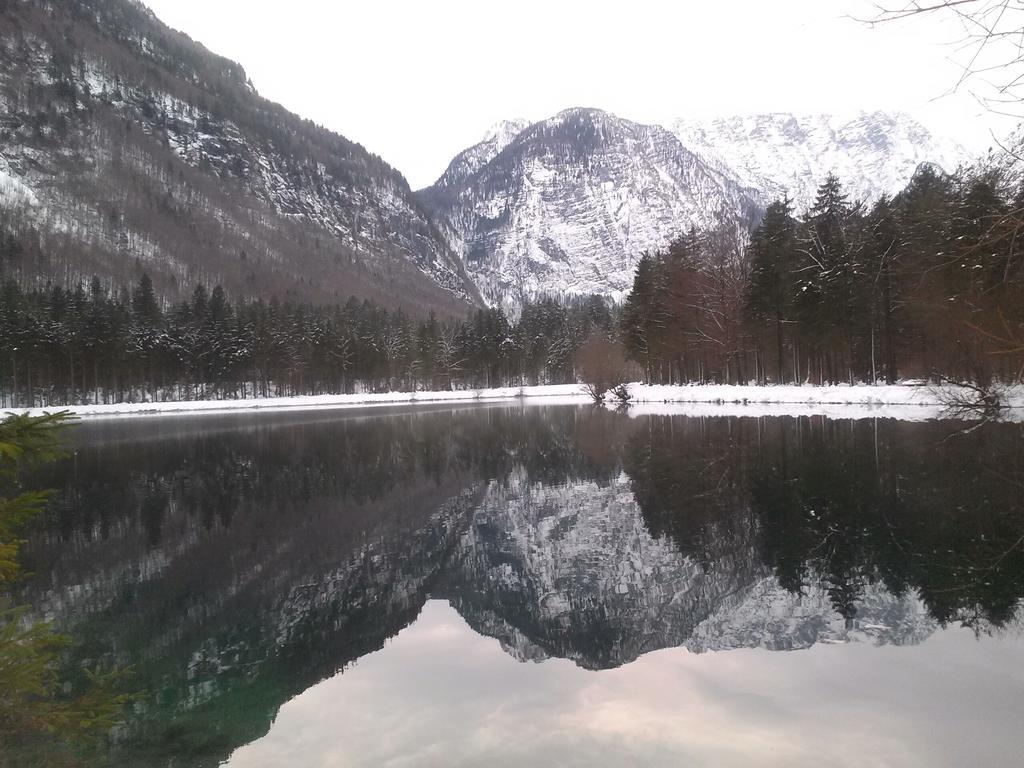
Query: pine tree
point(144, 303)
point(643, 317)
point(773, 250)
point(219, 307)
point(882, 252)
point(824, 296)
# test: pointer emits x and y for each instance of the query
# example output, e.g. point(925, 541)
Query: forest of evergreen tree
point(925, 285)
point(65, 346)
point(928, 284)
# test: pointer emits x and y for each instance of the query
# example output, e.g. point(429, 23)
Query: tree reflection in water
point(918, 507)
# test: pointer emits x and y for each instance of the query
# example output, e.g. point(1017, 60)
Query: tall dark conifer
point(773, 261)
point(145, 306)
point(643, 319)
point(824, 297)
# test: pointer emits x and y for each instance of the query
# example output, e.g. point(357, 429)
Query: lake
point(523, 584)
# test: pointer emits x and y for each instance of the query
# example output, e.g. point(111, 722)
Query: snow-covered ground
point(908, 401)
point(572, 391)
point(828, 410)
point(907, 393)
point(900, 401)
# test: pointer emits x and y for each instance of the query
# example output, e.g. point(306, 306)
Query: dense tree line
point(84, 345)
point(928, 283)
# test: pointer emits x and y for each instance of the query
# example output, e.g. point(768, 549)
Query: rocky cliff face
point(129, 147)
point(568, 204)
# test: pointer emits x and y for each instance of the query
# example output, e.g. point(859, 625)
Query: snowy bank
point(796, 410)
point(906, 394)
point(908, 401)
point(572, 391)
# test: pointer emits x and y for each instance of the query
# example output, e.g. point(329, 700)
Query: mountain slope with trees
point(928, 284)
point(125, 147)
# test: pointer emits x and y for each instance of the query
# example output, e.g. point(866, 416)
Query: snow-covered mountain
point(568, 204)
point(873, 153)
point(471, 160)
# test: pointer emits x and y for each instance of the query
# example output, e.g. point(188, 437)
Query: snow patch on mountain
point(501, 134)
point(471, 160)
point(13, 190)
point(873, 153)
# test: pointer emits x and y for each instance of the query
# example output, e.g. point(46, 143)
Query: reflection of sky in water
point(440, 694)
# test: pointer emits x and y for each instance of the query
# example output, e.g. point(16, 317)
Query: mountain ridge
point(782, 153)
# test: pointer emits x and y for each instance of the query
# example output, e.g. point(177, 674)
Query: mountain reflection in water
point(237, 561)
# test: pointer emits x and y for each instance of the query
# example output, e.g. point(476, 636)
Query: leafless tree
point(601, 363)
point(971, 400)
point(448, 359)
point(989, 48)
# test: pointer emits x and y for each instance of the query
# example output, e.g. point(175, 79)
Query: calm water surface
point(545, 585)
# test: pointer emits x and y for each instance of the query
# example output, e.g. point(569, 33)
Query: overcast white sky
point(416, 82)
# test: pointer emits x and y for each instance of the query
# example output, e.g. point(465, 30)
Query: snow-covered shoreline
point(305, 402)
point(807, 394)
point(910, 401)
point(901, 401)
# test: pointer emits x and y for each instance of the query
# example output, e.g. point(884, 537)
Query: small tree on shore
point(601, 364)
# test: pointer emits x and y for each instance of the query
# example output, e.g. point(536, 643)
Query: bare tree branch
point(992, 44)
